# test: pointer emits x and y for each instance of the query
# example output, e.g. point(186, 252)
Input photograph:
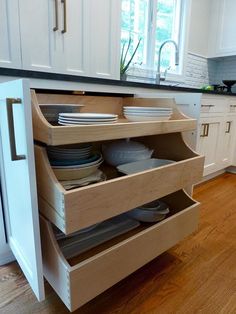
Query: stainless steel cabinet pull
point(65, 17)
point(10, 102)
point(208, 106)
point(228, 126)
point(233, 106)
point(56, 27)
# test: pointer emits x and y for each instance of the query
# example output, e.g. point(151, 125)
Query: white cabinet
point(222, 42)
point(104, 38)
point(10, 54)
point(208, 143)
point(40, 38)
point(228, 140)
point(18, 183)
point(217, 132)
point(78, 37)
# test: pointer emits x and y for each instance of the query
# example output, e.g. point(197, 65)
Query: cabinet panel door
point(75, 40)
point(223, 42)
point(228, 141)
point(10, 54)
point(18, 181)
point(103, 33)
point(40, 43)
point(209, 143)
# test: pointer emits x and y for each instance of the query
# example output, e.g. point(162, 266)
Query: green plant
point(124, 65)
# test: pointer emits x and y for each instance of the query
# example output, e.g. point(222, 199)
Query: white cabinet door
point(222, 40)
point(19, 182)
point(75, 39)
point(209, 143)
point(10, 54)
point(228, 139)
point(103, 33)
point(40, 36)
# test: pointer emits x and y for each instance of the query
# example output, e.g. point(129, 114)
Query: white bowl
point(139, 166)
point(123, 151)
point(147, 108)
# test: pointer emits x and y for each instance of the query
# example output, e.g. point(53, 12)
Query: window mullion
point(151, 33)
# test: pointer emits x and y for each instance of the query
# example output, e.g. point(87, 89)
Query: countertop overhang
point(92, 80)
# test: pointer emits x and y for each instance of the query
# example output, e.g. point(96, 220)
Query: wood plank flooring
point(196, 276)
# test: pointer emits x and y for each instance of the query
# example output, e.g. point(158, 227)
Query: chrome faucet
point(158, 75)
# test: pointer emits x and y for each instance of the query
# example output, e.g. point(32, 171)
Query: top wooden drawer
point(61, 135)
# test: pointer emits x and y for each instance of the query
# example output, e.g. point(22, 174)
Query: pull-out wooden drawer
point(79, 208)
point(54, 134)
point(82, 278)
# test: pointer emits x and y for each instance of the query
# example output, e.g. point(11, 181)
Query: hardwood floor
point(196, 276)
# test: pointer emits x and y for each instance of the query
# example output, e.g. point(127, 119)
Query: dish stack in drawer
point(90, 227)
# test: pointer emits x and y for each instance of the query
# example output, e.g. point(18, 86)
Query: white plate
point(88, 115)
point(62, 122)
point(136, 118)
point(148, 114)
point(87, 120)
point(147, 108)
point(93, 163)
point(142, 165)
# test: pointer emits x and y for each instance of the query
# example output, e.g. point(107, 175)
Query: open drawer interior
point(83, 277)
point(79, 208)
point(46, 107)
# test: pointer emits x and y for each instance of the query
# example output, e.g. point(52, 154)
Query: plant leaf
point(130, 60)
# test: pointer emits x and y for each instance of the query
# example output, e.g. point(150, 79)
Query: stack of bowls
point(125, 151)
point(74, 162)
point(136, 114)
point(151, 212)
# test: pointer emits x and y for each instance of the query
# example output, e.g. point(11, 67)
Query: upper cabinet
point(10, 56)
point(222, 42)
point(79, 37)
point(40, 37)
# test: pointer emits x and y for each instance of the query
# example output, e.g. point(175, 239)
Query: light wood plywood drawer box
point(79, 208)
point(54, 134)
point(79, 280)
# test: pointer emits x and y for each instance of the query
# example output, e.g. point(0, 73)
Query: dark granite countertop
point(93, 80)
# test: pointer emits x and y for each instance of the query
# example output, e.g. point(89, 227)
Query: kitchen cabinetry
point(221, 41)
point(73, 37)
point(80, 279)
point(10, 54)
point(217, 132)
point(208, 144)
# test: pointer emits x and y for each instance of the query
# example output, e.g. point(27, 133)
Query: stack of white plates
point(136, 114)
point(69, 152)
point(86, 118)
point(74, 162)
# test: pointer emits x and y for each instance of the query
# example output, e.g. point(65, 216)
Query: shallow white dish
point(147, 114)
point(89, 115)
point(63, 122)
point(142, 165)
point(147, 215)
point(75, 173)
point(137, 118)
point(147, 108)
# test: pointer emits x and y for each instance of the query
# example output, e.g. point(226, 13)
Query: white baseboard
point(231, 169)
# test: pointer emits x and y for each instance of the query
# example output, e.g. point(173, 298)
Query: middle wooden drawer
point(81, 207)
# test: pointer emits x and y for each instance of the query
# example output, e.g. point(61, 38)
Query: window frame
point(149, 67)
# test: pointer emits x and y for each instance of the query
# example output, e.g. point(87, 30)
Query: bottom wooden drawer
point(82, 278)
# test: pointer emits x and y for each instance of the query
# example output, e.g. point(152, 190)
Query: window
point(154, 21)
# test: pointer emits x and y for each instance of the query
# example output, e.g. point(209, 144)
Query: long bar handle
point(65, 17)
point(56, 27)
point(10, 102)
point(228, 127)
